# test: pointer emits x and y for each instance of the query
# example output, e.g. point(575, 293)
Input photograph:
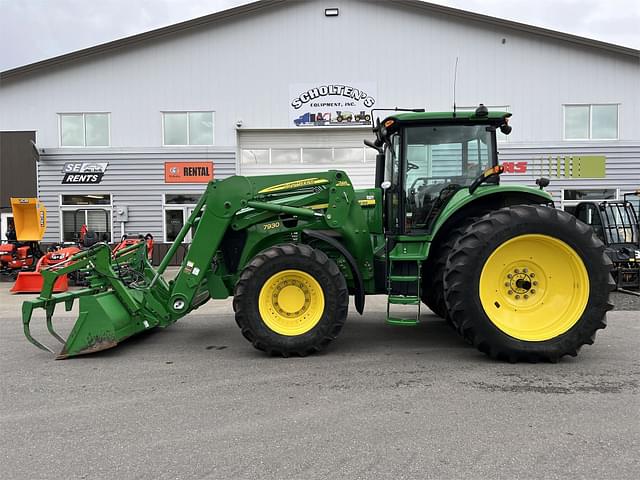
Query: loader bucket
point(30, 219)
point(103, 322)
point(32, 282)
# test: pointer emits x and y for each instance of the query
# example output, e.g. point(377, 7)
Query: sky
point(32, 30)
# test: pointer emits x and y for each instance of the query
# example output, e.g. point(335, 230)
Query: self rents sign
point(83, 173)
point(188, 172)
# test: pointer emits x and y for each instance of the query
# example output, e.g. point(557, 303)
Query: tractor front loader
point(517, 278)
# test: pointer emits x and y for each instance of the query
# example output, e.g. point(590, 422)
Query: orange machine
point(31, 282)
point(125, 241)
point(30, 221)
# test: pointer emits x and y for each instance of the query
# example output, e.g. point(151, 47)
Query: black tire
point(286, 257)
point(432, 294)
point(473, 249)
point(434, 267)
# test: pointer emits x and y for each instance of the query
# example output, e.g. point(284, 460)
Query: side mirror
point(375, 145)
point(506, 129)
point(385, 185)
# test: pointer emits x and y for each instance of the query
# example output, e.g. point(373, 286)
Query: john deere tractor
point(517, 278)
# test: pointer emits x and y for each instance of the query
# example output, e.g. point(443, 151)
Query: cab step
point(404, 269)
point(404, 278)
point(403, 322)
point(404, 300)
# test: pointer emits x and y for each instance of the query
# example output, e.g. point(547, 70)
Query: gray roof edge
point(511, 24)
point(262, 4)
point(138, 38)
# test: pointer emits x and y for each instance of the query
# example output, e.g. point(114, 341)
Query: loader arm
point(218, 208)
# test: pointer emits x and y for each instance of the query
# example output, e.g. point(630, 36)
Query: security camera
point(239, 123)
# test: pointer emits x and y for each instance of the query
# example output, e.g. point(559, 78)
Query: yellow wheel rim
point(534, 287)
point(291, 302)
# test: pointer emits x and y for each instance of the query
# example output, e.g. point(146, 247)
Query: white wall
point(242, 69)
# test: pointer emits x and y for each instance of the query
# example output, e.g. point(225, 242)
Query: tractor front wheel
point(528, 283)
point(291, 300)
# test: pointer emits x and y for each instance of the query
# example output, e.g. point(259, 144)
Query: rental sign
point(83, 173)
point(188, 172)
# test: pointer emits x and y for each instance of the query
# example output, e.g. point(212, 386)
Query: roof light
point(331, 12)
point(482, 111)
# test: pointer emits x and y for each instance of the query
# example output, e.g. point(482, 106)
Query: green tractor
point(517, 278)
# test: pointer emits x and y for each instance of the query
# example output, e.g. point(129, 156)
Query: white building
point(247, 91)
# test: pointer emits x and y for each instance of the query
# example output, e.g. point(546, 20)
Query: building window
point(187, 128)
point(177, 209)
point(591, 122)
point(572, 197)
point(88, 199)
point(84, 129)
point(92, 210)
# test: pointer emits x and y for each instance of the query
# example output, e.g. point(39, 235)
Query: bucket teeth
point(27, 333)
point(53, 332)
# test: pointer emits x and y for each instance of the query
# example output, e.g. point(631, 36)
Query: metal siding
point(622, 165)
point(134, 178)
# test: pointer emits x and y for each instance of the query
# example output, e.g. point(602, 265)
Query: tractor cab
point(426, 158)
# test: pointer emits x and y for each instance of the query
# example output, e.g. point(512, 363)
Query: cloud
point(613, 21)
point(32, 30)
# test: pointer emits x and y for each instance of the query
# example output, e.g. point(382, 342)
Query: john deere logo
point(307, 182)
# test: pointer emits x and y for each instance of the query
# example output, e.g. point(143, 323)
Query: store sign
point(188, 172)
point(561, 166)
point(515, 167)
point(83, 173)
point(324, 104)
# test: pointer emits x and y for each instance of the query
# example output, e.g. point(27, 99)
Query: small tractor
point(343, 116)
point(32, 281)
point(615, 222)
point(362, 117)
point(515, 277)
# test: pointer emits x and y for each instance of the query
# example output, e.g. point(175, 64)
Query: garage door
point(288, 151)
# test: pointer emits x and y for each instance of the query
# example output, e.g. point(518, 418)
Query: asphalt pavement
point(197, 401)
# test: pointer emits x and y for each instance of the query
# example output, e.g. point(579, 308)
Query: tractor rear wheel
point(433, 279)
point(291, 299)
point(528, 283)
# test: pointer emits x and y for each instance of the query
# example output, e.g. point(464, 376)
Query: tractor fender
point(357, 276)
point(492, 198)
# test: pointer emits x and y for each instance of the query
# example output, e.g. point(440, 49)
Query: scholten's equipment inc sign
point(326, 104)
point(82, 173)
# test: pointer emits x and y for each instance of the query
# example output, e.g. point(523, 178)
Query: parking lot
point(197, 401)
